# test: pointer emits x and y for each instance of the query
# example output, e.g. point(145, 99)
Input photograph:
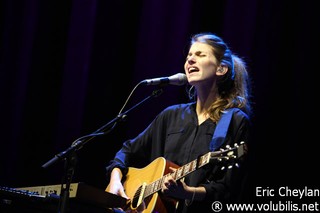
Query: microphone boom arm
point(69, 155)
point(80, 142)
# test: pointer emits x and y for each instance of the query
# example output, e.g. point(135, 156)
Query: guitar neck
point(227, 154)
point(178, 173)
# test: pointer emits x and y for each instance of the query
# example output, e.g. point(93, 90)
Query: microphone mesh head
point(178, 79)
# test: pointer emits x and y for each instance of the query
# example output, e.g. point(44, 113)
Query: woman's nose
point(191, 60)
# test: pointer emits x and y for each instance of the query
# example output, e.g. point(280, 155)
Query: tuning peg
point(237, 165)
point(230, 167)
point(236, 145)
point(242, 142)
point(223, 168)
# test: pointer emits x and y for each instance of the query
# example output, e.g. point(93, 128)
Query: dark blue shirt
point(176, 135)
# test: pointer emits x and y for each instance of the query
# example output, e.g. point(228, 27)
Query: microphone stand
point(69, 155)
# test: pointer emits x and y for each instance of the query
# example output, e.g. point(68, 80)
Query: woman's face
point(201, 64)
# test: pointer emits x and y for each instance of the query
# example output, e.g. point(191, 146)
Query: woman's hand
point(116, 187)
point(180, 190)
point(177, 189)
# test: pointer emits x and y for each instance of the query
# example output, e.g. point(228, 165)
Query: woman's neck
point(203, 105)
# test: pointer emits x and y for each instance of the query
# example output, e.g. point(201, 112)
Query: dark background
point(67, 68)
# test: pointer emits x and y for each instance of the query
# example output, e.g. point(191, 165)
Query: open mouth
point(193, 69)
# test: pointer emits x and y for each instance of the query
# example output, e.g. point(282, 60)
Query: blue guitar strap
point(221, 129)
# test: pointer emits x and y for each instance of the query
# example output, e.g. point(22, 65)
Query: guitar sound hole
point(135, 199)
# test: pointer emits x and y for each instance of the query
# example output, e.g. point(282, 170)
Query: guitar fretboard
point(178, 174)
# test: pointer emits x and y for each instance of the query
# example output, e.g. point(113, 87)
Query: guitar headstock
point(229, 153)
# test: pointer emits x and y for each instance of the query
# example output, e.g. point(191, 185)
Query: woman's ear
point(221, 70)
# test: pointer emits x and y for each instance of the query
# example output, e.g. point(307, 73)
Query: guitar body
point(142, 184)
point(152, 172)
point(137, 177)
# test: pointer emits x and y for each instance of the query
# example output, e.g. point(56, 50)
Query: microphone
point(178, 79)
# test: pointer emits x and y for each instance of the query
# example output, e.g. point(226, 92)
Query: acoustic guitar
point(142, 184)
